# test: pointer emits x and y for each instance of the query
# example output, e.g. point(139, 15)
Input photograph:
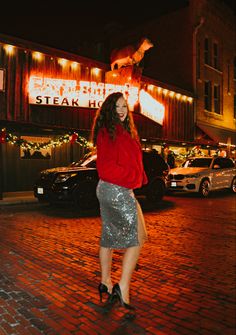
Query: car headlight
point(61, 178)
point(196, 175)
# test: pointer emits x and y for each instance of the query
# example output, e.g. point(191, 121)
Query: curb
point(17, 201)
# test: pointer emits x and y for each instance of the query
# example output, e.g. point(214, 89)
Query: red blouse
point(120, 161)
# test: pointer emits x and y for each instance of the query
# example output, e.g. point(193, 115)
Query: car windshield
point(88, 160)
point(198, 162)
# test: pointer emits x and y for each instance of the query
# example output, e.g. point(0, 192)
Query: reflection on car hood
point(66, 169)
point(188, 170)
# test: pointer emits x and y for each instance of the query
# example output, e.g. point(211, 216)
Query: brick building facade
point(48, 99)
point(195, 49)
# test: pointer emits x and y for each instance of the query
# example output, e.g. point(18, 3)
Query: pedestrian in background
point(171, 159)
point(120, 169)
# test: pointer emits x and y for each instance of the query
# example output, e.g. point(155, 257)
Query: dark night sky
point(77, 17)
point(63, 25)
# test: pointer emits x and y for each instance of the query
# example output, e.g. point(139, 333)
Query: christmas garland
point(23, 143)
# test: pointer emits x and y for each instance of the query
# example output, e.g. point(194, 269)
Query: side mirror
point(216, 166)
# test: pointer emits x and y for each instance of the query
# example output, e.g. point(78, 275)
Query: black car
point(77, 182)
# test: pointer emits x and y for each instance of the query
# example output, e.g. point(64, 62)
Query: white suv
point(202, 175)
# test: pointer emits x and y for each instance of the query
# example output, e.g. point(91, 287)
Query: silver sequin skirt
point(120, 213)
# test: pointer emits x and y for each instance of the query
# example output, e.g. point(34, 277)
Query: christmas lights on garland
point(23, 143)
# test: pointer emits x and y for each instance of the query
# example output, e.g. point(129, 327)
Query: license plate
point(173, 184)
point(40, 190)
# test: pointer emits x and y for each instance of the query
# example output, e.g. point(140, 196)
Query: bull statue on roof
point(129, 55)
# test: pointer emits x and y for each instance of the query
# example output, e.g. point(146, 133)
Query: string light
point(9, 49)
point(37, 55)
point(74, 65)
point(62, 61)
point(95, 71)
point(23, 143)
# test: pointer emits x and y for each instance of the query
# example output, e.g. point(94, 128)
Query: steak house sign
point(62, 92)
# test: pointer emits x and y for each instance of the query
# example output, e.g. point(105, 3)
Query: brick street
point(184, 283)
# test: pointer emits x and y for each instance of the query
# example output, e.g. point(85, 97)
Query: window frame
point(207, 96)
point(216, 98)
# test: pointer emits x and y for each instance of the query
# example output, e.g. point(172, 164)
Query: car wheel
point(233, 186)
point(204, 188)
point(156, 191)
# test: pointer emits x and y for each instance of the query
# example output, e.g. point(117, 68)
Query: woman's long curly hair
point(107, 117)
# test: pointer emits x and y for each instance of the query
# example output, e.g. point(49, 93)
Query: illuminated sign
point(151, 108)
point(63, 92)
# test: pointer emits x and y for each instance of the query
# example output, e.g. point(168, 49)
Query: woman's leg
point(131, 256)
point(105, 255)
point(129, 262)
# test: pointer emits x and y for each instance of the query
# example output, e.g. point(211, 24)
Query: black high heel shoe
point(102, 288)
point(116, 293)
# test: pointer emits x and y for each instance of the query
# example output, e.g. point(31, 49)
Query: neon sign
point(63, 92)
point(72, 93)
point(151, 108)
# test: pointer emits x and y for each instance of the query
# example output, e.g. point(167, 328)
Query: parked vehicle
point(77, 182)
point(203, 175)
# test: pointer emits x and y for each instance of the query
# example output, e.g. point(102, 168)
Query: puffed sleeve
point(109, 166)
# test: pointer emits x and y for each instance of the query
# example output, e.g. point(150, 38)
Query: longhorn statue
point(129, 55)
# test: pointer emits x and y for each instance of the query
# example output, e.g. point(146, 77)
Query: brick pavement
point(49, 272)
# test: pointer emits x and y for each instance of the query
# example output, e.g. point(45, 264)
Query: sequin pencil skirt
point(123, 225)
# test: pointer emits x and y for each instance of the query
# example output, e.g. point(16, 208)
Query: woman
point(120, 169)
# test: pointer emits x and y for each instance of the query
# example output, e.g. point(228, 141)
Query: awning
point(218, 135)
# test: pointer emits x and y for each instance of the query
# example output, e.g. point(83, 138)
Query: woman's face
point(121, 108)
